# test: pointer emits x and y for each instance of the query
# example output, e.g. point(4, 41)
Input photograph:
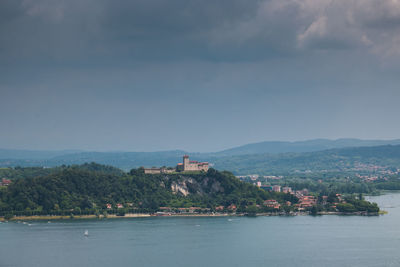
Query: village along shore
point(162, 214)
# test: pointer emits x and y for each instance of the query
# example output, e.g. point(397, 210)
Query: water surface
point(234, 241)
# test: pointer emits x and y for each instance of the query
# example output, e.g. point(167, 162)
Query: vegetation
point(353, 204)
point(86, 189)
point(32, 172)
point(90, 188)
point(343, 185)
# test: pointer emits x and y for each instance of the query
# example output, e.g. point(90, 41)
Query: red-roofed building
point(5, 182)
point(306, 202)
point(219, 208)
point(232, 207)
point(272, 203)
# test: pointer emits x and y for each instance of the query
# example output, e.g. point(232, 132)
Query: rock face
point(186, 185)
point(180, 188)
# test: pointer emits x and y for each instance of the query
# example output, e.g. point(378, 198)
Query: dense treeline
point(350, 204)
point(31, 172)
point(25, 172)
point(344, 186)
point(326, 187)
point(88, 188)
point(353, 205)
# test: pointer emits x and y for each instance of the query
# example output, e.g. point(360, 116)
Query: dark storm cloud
point(92, 32)
point(65, 31)
point(102, 74)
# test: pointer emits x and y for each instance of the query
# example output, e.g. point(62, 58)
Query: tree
point(8, 216)
point(77, 210)
point(346, 207)
point(286, 208)
point(314, 210)
point(121, 212)
point(252, 210)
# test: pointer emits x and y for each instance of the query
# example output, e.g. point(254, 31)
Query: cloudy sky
point(146, 75)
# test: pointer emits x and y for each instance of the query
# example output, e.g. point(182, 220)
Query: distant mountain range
point(33, 154)
point(276, 147)
point(343, 160)
point(264, 157)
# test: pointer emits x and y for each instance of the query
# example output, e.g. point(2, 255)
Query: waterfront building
point(272, 203)
point(219, 208)
point(232, 207)
point(306, 202)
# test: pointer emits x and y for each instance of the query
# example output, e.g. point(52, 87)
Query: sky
point(196, 75)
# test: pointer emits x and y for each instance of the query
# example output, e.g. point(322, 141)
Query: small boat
point(86, 233)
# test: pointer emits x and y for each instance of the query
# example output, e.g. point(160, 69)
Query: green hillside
point(88, 188)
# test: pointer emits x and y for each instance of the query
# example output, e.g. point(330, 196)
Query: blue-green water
point(261, 241)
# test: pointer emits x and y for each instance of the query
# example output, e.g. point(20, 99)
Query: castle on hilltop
point(187, 165)
point(191, 165)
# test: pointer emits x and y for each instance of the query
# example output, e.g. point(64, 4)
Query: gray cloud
point(67, 32)
point(247, 70)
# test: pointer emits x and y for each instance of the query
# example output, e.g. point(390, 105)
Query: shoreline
point(147, 215)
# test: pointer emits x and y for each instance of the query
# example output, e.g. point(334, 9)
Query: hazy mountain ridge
point(277, 147)
point(273, 147)
point(123, 160)
point(34, 154)
point(332, 160)
point(237, 161)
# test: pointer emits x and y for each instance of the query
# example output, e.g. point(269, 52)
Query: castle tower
point(185, 162)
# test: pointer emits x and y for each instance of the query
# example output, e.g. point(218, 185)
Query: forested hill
point(91, 187)
point(336, 160)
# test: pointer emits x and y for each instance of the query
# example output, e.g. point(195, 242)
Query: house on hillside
point(272, 203)
point(5, 182)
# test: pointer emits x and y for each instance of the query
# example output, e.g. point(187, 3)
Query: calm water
point(262, 241)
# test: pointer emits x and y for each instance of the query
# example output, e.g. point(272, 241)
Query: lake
point(217, 241)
